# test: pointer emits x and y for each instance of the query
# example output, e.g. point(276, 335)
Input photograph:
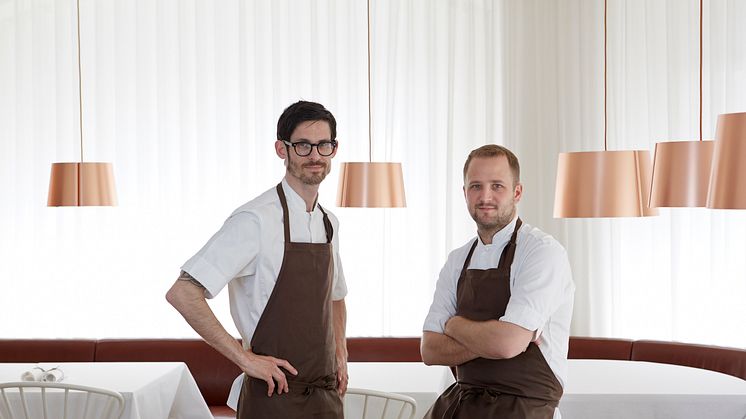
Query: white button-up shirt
point(541, 289)
point(247, 253)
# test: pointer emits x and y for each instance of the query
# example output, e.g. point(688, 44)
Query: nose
point(485, 196)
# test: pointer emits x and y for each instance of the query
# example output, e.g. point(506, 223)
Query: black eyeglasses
point(304, 148)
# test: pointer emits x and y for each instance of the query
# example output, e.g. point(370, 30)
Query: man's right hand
point(187, 295)
point(267, 368)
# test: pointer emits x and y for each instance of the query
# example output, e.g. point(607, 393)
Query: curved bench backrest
point(731, 361)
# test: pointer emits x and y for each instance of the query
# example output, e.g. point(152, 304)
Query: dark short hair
point(303, 111)
point(494, 150)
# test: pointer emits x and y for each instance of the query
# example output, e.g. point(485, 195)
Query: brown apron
point(520, 387)
point(296, 325)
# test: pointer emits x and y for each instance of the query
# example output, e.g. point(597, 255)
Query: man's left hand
point(342, 376)
point(452, 323)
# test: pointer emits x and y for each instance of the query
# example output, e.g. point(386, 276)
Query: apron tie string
point(327, 382)
point(465, 392)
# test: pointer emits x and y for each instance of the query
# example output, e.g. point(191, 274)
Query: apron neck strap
point(286, 217)
point(468, 257)
point(285, 212)
point(327, 225)
point(506, 256)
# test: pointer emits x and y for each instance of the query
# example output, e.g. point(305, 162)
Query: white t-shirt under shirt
point(247, 253)
point(541, 289)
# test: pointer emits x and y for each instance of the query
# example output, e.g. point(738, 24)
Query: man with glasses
point(278, 254)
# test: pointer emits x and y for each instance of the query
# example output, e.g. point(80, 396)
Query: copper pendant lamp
point(681, 169)
point(369, 184)
point(595, 184)
point(81, 183)
point(727, 188)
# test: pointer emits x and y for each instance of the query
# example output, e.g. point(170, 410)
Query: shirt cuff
point(524, 316)
point(435, 324)
point(339, 292)
point(205, 274)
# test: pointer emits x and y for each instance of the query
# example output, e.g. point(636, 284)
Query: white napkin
point(34, 374)
point(54, 375)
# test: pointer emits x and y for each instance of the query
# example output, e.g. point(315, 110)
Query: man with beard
point(278, 254)
point(502, 306)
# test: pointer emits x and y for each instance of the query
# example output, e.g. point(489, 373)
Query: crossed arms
point(464, 340)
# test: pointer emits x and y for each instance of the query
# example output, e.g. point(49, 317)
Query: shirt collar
point(502, 236)
point(294, 200)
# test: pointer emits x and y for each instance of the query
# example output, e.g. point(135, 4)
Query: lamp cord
point(370, 103)
point(605, 99)
point(701, 12)
point(80, 85)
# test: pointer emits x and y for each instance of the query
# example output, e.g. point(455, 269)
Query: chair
point(379, 404)
point(33, 400)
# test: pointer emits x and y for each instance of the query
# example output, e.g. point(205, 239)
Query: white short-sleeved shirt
point(247, 253)
point(541, 289)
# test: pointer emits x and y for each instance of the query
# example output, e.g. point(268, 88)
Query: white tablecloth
point(151, 390)
point(598, 389)
point(634, 389)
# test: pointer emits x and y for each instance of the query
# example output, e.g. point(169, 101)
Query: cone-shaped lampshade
point(681, 174)
point(603, 184)
point(728, 174)
point(371, 185)
point(81, 184)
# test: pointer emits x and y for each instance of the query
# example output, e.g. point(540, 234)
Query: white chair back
point(371, 404)
point(42, 400)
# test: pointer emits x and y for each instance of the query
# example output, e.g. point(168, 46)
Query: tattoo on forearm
point(184, 276)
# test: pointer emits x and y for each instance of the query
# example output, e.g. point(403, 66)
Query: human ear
point(518, 192)
point(281, 149)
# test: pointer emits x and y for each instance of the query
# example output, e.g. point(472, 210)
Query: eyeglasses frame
point(318, 150)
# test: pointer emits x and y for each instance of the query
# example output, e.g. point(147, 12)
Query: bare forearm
point(339, 310)
point(188, 299)
point(187, 296)
point(339, 313)
point(439, 349)
point(489, 339)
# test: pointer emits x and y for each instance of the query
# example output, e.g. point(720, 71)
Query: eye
point(475, 187)
point(325, 146)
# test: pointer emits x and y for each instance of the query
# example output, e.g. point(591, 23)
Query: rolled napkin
point(34, 374)
point(54, 375)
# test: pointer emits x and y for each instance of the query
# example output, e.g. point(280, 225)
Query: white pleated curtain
point(677, 276)
point(183, 98)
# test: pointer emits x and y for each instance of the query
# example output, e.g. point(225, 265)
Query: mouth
point(314, 166)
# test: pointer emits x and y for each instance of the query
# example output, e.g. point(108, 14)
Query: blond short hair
point(494, 150)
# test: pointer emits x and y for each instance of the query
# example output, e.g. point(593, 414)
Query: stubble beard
point(491, 225)
point(296, 170)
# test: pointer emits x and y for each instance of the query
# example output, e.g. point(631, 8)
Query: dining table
point(151, 390)
point(594, 389)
